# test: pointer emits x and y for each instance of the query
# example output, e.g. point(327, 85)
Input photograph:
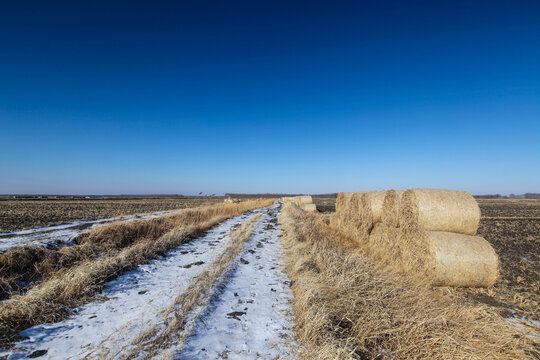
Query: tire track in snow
point(132, 302)
point(251, 317)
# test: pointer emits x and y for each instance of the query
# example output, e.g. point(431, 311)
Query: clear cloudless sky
point(115, 97)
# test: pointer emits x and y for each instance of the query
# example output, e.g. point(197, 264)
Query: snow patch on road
point(251, 318)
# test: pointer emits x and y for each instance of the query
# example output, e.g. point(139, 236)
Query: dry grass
point(41, 264)
point(198, 294)
point(76, 285)
point(348, 307)
point(27, 214)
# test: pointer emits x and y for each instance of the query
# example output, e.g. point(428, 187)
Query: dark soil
point(27, 214)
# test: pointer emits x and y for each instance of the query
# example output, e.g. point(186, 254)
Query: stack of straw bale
point(232, 201)
point(305, 202)
point(427, 232)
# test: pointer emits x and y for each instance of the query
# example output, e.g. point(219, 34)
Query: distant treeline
point(334, 195)
point(232, 195)
point(241, 196)
point(511, 196)
point(97, 197)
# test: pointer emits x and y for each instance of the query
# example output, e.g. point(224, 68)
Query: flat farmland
point(258, 277)
point(512, 227)
point(18, 215)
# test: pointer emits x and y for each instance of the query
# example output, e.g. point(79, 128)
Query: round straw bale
point(355, 227)
point(446, 259)
point(383, 244)
point(439, 210)
point(373, 204)
point(415, 254)
point(309, 207)
point(305, 199)
point(390, 208)
point(463, 260)
point(370, 209)
point(341, 208)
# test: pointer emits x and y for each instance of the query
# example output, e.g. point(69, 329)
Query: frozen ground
point(60, 235)
point(250, 317)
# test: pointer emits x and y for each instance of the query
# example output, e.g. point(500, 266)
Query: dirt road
point(247, 314)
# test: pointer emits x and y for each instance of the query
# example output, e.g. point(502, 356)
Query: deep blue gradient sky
point(269, 96)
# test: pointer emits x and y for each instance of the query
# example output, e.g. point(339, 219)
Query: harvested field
point(517, 242)
point(325, 205)
point(510, 207)
point(18, 215)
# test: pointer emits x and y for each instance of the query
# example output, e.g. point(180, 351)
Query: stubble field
point(18, 215)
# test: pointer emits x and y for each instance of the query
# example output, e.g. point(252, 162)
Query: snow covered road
point(250, 316)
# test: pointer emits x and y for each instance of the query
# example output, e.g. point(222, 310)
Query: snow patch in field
point(526, 325)
point(131, 303)
point(61, 235)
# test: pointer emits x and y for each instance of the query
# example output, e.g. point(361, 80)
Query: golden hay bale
point(341, 208)
point(383, 245)
point(370, 209)
point(437, 257)
point(439, 210)
point(356, 225)
point(362, 211)
point(390, 208)
point(305, 199)
point(463, 260)
point(228, 201)
point(403, 250)
point(375, 200)
point(309, 207)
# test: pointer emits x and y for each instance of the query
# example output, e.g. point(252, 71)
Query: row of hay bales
point(232, 201)
point(429, 233)
point(305, 202)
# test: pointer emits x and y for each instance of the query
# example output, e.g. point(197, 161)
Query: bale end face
point(309, 207)
point(464, 260)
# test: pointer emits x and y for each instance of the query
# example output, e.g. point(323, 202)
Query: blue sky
point(282, 96)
